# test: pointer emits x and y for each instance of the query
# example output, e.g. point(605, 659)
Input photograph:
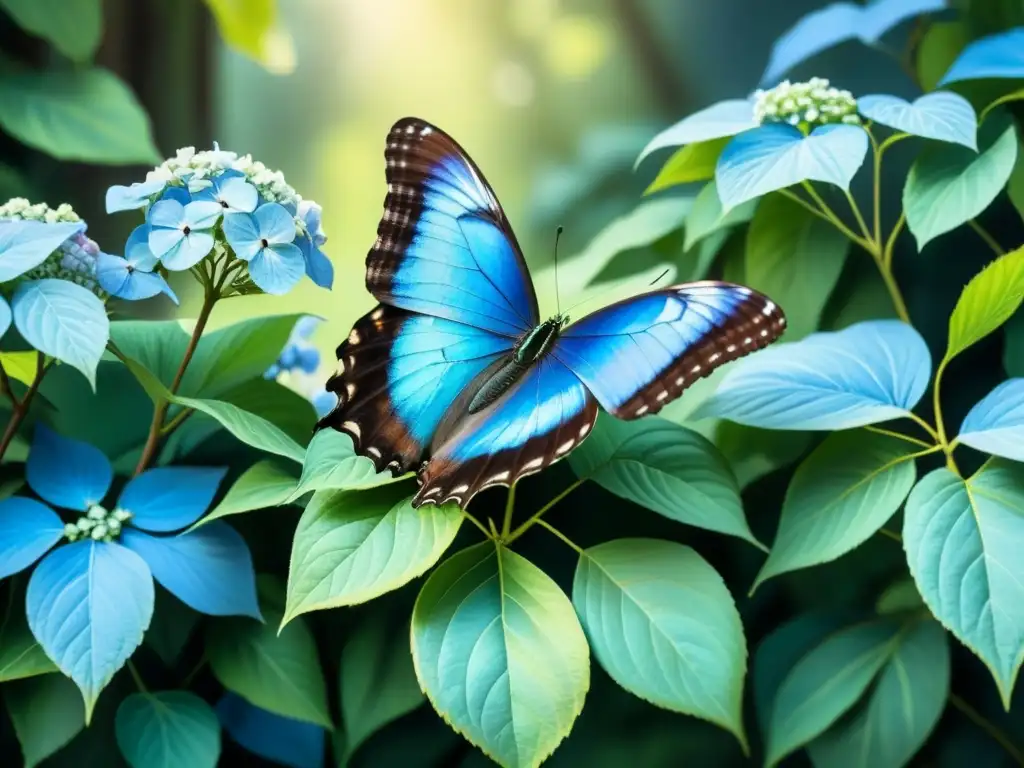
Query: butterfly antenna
point(558, 298)
point(614, 287)
point(659, 277)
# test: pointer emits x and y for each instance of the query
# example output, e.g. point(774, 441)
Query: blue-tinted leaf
point(64, 320)
point(88, 604)
point(281, 739)
point(5, 316)
point(167, 729)
point(943, 116)
point(29, 530)
point(963, 541)
point(996, 423)
point(26, 244)
point(999, 56)
point(209, 569)
point(170, 498)
point(726, 118)
point(777, 156)
point(869, 372)
point(67, 473)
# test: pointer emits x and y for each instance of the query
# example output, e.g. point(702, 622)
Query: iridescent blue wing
point(542, 417)
point(639, 354)
point(444, 247)
point(399, 373)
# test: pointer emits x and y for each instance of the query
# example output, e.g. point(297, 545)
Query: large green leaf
point(275, 670)
point(796, 259)
point(707, 217)
point(941, 44)
point(73, 27)
point(331, 463)
point(168, 729)
point(949, 184)
point(667, 468)
point(694, 162)
point(267, 483)
point(1015, 186)
point(988, 301)
point(753, 452)
point(47, 713)
point(251, 27)
point(353, 546)
point(283, 407)
point(377, 682)
point(85, 114)
point(20, 655)
point(964, 541)
point(663, 624)
point(825, 683)
point(500, 654)
point(899, 713)
point(248, 427)
point(171, 627)
point(839, 496)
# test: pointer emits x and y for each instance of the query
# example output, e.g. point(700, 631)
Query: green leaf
point(900, 712)
point(1015, 186)
point(840, 496)
point(331, 463)
point(267, 483)
point(278, 671)
point(248, 427)
point(988, 301)
point(171, 626)
point(796, 259)
point(377, 681)
point(285, 408)
point(20, 655)
point(941, 44)
point(353, 546)
point(500, 654)
point(667, 468)
point(707, 217)
point(900, 597)
point(694, 162)
point(963, 541)
point(753, 452)
point(663, 624)
point(251, 28)
point(825, 683)
point(20, 366)
point(168, 729)
point(74, 27)
point(860, 296)
point(949, 184)
point(47, 713)
point(86, 114)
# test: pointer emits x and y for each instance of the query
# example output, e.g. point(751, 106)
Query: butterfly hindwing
point(639, 354)
point(444, 246)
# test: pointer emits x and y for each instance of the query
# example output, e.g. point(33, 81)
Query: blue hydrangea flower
point(231, 191)
point(90, 600)
point(318, 266)
point(134, 197)
point(324, 402)
point(182, 235)
point(131, 277)
point(298, 355)
point(265, 239)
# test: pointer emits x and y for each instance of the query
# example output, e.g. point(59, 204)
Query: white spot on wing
point(695, 369)
point(499, 477)
point(584, 429)
point(373, 451)
point(460, 488)
point(350, 389)
point(352, 427)
point(533, 464)
point(565, 447)
point(662, 396)
point(642, 410)
point(353, 337)
point(769, 308)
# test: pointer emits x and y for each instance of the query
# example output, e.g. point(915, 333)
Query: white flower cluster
point(195, 168)
point(806, 105)
point(97, 524)
point(21, 209)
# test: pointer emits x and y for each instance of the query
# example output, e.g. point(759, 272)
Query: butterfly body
point(455, 375)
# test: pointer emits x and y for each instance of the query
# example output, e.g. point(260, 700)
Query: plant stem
point(940, 426)
point(899, 436)
point(890, 534)
point(797, 199)
point(894, 290)
point(890, 244)
point(137, 677)
point(559, 534)
point(860, 218)
point(510, 504)
point(21, 408)
point(160, 409)
point(5, 386)
point(540, 512)
point(831, 216)
point(988, 727)
point(477, 523)
point(990, 241)
point(176, 422)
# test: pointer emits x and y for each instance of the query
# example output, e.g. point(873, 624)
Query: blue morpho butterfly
point(454, 374)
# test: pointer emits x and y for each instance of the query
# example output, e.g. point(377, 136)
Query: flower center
point(97, 524)
point(186, 230)
point(806, 105)
point(264, 243)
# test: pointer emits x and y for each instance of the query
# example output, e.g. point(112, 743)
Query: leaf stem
point(797, 199)
point(535, 518)
point(984, 234)
point(559, 534)
point(5, 386)
point(890, 534)
point(831, 216)
point(899, 436)
point(940, 426)
point(510, 504)
point(477, 523)
point(21, 408)
point(176, 422)
point(137, 677)
point(890, 244)
point(860, 218)
point(988, 727)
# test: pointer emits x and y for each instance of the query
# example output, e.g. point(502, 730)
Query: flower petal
point(166, 213)
point(275, 224)
point(177, 193)
point(118, 280)
point(162, 240)
point(242, 234)
point(277, 269)
point(190, 250)
point(137, 251)
point(312, 215)
point(30, 529)
point(67, 473)
point(133, 197)
point(239, 194)
point(169, 498)
point(318, 266)
point(209, 569)
point(202, 214)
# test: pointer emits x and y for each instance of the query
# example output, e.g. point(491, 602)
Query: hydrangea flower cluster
point(299, 361)
point(805, 105)
point(245, 217)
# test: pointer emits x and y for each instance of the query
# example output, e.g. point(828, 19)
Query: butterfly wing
point(444, 247)
point(399, 374)
point(542, 417)
point(639, 354)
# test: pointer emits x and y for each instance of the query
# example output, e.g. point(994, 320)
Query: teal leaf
point(839, 496)
point(995, 56)
point(25, 245)
point(901, 710)
point(726, 118)
point(707, 217)
point(77, 114)
point(667, 468)
point(500, 654)
point(267, 483)
point(63, 320)
point(826, 683)
point(46, 713)
point(353, 546)
point(996, 423)
point(171, 628)
point(74, 27)
point(283, 740)
point(88, 605)
point(942, 115)
point(662, 623)
point(167, 729)
point(776, 156)
point(331, 463)
point(963, 540)
point(21, 655)
point(247, 427)
point(949, 184)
